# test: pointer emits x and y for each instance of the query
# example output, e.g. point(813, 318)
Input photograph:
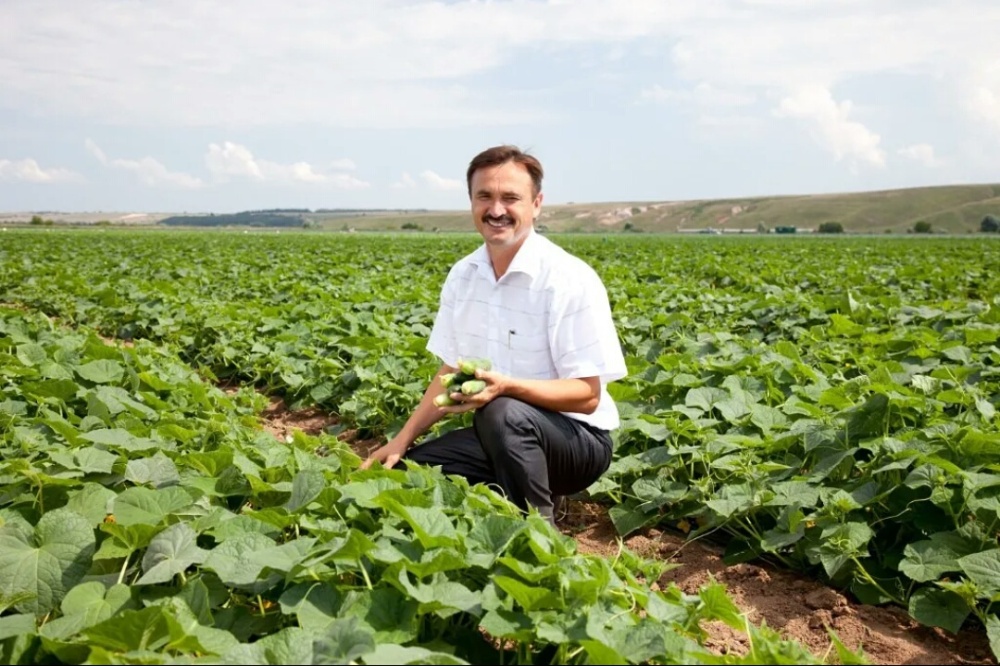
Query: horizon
point(639, 202)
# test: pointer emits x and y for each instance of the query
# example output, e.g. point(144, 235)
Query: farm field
point(825, 406)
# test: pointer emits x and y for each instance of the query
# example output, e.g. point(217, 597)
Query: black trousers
point(532, 454)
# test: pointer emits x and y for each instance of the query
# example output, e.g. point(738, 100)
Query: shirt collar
point(528, 259)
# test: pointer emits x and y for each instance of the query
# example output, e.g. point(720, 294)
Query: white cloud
point(922, 153)
point(831, 126)
point(437, 182)
point(982, 93)
point(231, 160)
point(406, 182)
point(148, 170)
point(30, 171)
point(421, 63)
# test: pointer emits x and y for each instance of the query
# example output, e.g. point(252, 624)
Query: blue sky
point(145, 106)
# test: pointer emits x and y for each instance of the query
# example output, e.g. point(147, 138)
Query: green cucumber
point(473, 386)
point(454, 378)
point(444, 400)
point(470, 365)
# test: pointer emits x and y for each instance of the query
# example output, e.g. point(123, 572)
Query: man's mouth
point(498, 222)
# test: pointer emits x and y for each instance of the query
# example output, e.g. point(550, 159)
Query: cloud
point(148, 170)
point(424, 63)
point(921, 153)
point(436, 182)
point(831, 126)
point(30, 171)
point(230, 160)
point(406, 182)
point(982, 93)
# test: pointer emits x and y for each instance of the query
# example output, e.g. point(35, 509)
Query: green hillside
point(950, 209)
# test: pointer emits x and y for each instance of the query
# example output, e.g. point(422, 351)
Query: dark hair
point(498, 155)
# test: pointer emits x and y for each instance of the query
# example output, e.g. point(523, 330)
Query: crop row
point(145, 517)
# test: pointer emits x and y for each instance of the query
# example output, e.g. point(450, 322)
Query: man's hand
point(496, 385)
point(388, 454)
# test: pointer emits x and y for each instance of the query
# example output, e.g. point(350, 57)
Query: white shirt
point(547, 317)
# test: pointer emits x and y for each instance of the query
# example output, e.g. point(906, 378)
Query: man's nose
point(497, 209)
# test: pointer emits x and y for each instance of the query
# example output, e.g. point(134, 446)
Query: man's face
point(504, 205)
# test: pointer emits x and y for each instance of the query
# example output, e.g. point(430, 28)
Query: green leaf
point(930, 559)
point(291, 645)
point(121, 439)
point(939, 608)
point(31, 354)
point(141, 505)
point(343, 642)
point(16, 625)
point(432, 527)
point(386, 653)
point(169, 553)
point(235, 560)
point(627, 518)
point(129, 630)
point(157, 471)
point(92, 501)
point(529, 597)
point(101, 372)
point(870, 419)
point(49, 563)
point(716, 604)
point(984, 570)
point(88, 604)
point(306, 486)
point(993, 632)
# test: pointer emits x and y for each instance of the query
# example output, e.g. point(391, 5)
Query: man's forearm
point(426, 414)
point(558, 395)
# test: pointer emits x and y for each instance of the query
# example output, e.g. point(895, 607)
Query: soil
point(797, 606)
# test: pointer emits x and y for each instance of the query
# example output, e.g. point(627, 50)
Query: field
point(823, 406)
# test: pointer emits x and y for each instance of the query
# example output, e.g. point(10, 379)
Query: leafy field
point(826, 403)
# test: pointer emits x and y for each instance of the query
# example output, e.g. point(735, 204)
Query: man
point(541, 426)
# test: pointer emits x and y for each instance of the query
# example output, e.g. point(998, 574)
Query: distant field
point(954, 209)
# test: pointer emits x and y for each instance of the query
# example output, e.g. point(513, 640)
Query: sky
point(222, 106)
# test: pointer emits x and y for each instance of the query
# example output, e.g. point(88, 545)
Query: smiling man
point(541, 428)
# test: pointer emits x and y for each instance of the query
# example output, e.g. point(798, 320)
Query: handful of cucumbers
point(464, 381)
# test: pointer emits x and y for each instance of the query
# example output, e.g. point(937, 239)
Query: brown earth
point(796, 605)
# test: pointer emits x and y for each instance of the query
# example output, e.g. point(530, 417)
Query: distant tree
point(830, 228)
point(636, 210)
point(922, 227)
point(990, 224)
point(37, 219)
point(411, 225)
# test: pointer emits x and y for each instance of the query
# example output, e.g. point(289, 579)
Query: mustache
point(501, 218)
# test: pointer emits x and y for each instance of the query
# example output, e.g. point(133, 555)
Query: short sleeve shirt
point(547, 317)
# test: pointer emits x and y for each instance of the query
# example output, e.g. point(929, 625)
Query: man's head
point(505, 192)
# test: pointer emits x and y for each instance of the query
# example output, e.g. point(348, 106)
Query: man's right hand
point(388, 455)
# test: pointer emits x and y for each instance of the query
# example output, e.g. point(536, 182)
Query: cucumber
point(454, 378)
point(473, 386)
point(443, 400)
point(469, 366)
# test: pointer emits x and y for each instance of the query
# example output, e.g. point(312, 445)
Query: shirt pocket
point(529, 356)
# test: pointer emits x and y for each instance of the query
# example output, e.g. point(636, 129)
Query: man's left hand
point(496, 385)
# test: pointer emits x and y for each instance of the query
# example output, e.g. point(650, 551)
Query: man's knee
point(499, 417)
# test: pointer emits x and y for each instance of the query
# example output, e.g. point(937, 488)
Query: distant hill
point(956, 209)
point(949, 209)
